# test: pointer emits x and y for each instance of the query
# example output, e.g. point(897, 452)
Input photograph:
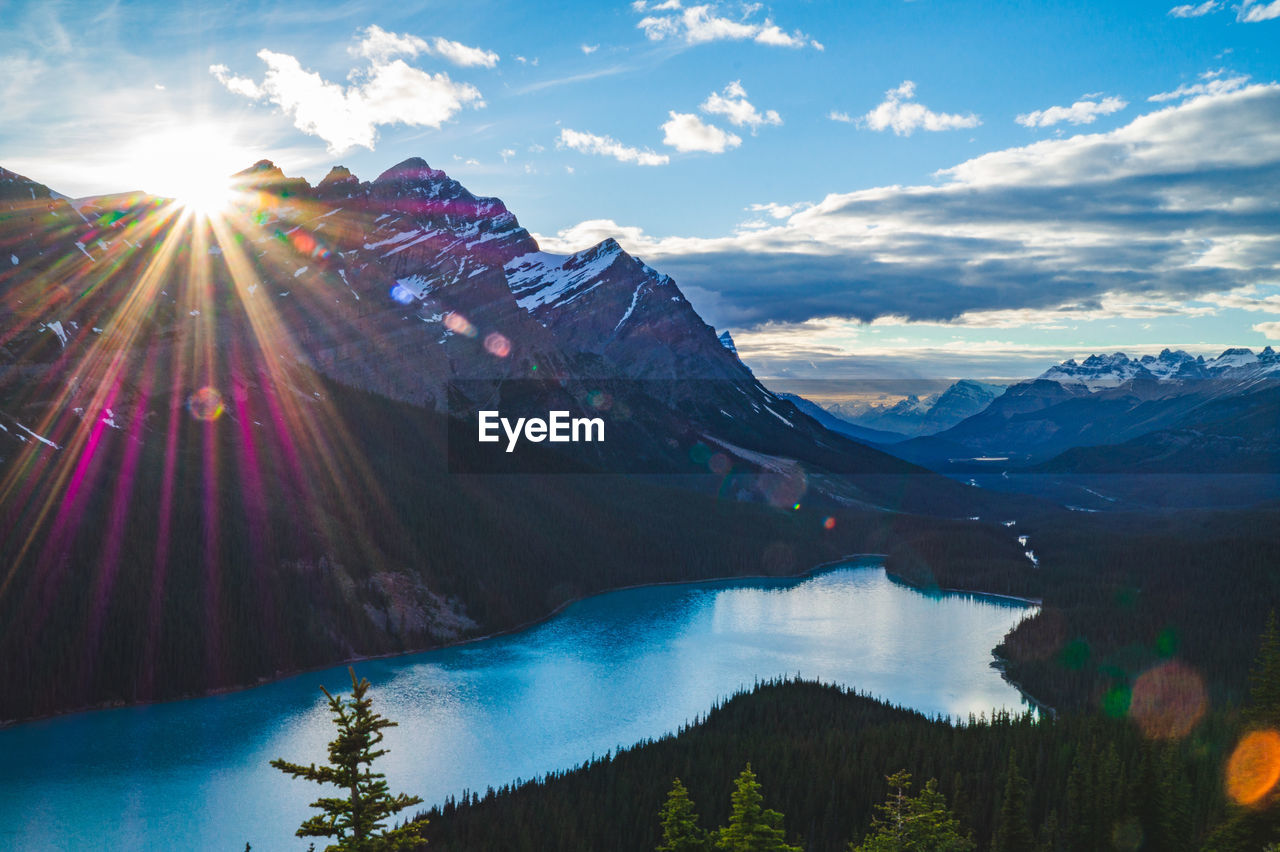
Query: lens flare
point(205, 404)
point(1254, 767)
point(1167, 701)
point(829, 523)
point(459, 324)
point(497, 345)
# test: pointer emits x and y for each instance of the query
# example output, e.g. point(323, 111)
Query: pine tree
point(1172, 829)
point(680, 831)
point(357, 821)
point(1049, 833)
point(751, 827)
point(1013, 828)
point(920, 824)
point(1264, 679)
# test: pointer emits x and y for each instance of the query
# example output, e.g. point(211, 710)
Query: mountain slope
point(838, 424)
point(1237, 434)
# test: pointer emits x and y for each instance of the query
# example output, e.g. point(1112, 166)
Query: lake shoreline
point(898, 578)
point(1000, 664)
point(279, 676)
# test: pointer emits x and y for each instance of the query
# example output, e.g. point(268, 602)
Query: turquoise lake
point(605, 672)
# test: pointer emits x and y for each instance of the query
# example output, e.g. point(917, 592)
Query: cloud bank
point(1178, 204)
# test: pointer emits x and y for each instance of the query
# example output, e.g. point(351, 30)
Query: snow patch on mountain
point(42, 439)
point(542, 279)
point(56, 328)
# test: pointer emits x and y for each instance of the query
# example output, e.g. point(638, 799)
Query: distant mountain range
point(1168, 413)
point(912, 415)
point(1101, 372)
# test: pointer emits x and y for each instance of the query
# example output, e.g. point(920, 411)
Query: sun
point(204, 195)
point(191, 163)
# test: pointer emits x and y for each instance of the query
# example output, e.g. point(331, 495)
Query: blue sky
point(934, 188)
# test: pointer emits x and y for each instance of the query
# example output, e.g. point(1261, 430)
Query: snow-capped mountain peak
point(540, 279)
point(1101, 372)
point(1232, 358)
point(1096, 372)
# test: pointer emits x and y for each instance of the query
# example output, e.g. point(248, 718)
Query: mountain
point(1100, 372)
point(414, 265)
point(1231, 434)
point(838, 424)
point(242, 444)
point(962, 400)
point(912, 415)
point(1172, 404)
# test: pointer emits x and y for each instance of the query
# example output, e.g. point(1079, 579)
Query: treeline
point(1122, 593)
point(822, 754)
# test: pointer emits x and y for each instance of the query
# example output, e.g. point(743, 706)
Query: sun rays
point(185, 359)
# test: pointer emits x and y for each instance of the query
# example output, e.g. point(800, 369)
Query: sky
point(934, 188)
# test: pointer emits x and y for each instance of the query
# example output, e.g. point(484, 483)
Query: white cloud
point(1194, 11)
point(1252, 12)
point(837, 115)
point(1216, 83)
point(732, 103)
point(1159, 217)
point(705, 23)
point(1249, 298)
point(589, 49)
point(239, 85)
point(387, 92)
point(378, 46)
point(591, 231)
point(607, 146)
point(462, 55)
point(904, 116)
point(1269, 330)
point(1084, 111)
point(507, 154)
point(779, 211)
point(685, 132)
